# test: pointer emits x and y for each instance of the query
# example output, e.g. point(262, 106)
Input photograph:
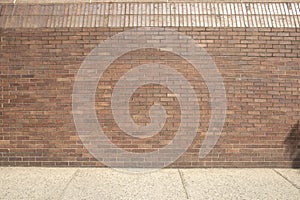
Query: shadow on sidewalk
point(293, 145)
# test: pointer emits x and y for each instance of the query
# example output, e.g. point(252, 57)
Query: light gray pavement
point(105, 183)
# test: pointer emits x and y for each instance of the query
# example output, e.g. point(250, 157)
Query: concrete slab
point(34, 183)
point(108, 184)
point(111, 184)
point(237, 184)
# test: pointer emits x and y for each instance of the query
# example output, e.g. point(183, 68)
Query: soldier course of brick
point(255, 46)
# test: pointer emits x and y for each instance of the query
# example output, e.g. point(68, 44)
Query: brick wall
point(260, 67)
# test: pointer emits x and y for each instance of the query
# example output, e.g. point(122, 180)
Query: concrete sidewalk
point(104, 183)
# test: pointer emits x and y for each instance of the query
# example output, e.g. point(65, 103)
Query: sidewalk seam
point(68, 183)
point(277, 172)
point(183, 182)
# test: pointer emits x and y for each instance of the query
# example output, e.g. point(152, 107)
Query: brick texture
point(261, 71)
point(130, 14)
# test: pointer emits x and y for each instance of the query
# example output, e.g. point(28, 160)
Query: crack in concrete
point(183, 182)
point(277, 172)
point(68, 183)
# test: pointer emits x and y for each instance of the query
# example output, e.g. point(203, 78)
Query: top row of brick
point(132, 14)
point(139, 1)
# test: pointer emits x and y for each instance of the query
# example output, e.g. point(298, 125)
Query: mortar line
point(286, 179)
point(183, 183)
